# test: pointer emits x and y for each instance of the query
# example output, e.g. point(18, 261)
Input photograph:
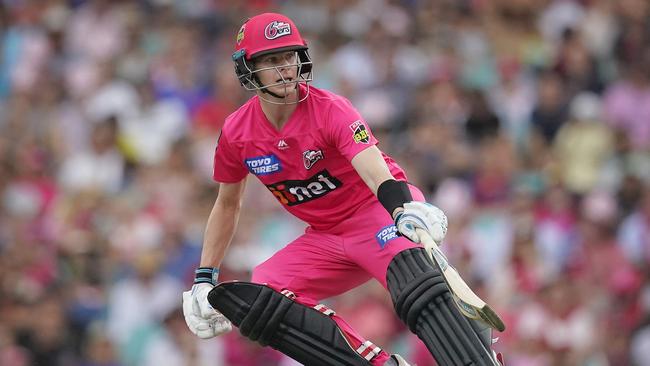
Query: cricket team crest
point(359, 132)
point(310, 157)
point(277, 29)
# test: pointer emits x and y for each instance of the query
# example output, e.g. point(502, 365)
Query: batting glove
point(200, 317)
point(421, 215)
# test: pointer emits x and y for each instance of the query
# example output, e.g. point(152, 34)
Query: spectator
point(627, 104)
point(101, 167)
point(583, 145)
point(551, 110)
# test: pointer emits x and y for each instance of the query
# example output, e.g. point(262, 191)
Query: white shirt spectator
point(90, 170)
point(130, 297)
point(96, 31)
point(155, 129)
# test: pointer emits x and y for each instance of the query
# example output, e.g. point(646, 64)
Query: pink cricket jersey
point(306, 164)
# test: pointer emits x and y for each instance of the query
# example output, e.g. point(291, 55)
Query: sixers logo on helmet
point(277, 29)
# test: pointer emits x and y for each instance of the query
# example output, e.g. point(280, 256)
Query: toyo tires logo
point(277, 29)
point(263, 165)
point(295, 192)
point(386, 234)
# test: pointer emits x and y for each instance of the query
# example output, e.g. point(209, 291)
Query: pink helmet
point(263, 34)
point(266, 33)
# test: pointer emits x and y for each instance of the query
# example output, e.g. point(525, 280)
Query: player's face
point(279, 72)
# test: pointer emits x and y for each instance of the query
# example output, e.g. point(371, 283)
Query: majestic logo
point(359, 132)
point(310, 157)
point(263, 165)
point(295, 192)
point(277, 29)
point(282, 145)
point(240, 34)
point(386, 234)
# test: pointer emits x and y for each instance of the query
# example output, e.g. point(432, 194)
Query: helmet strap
point(265, 90)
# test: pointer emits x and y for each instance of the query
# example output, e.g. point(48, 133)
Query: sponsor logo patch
point(295, 192)
point(277, 29)
point(310, 157)
point(359, 132)
point(240, 34)
point(386, 234)
point(263, 165)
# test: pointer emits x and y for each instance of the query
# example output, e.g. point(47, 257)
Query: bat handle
point(432, 249)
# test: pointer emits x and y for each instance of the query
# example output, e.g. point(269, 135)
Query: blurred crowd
point(527, 121)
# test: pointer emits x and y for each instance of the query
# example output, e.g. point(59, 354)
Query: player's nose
point(286, 70)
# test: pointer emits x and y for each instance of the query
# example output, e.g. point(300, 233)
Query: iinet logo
point(295, 192)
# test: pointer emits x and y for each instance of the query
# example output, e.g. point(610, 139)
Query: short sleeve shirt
point(306, 164)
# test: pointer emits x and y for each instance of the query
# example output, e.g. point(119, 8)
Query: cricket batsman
point(318, 157)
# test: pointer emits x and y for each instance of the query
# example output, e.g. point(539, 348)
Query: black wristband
point(206, 275)
point(393, 194)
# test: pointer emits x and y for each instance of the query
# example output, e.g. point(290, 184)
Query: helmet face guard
point(265, 34)
point(247, 73)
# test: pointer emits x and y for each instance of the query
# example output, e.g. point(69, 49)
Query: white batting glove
point(200, 317)
point(421, 215)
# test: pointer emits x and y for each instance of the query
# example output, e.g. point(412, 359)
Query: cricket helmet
point(265, 34)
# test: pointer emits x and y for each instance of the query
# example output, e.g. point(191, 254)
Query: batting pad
point(423, 301)
point(264, 315)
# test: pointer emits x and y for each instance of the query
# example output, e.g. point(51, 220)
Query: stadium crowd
point(527, 121)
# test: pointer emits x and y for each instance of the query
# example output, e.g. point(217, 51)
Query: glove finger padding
point(222, 324)
point(406, 228)
point(188, 312)
point(211, 328)
point(422, 215)
point(205, 322)
point(201, 305)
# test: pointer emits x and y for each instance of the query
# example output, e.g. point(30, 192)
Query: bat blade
point(468, 303)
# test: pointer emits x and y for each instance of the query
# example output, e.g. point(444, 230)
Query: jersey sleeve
point(227, 167)
point(348, 131)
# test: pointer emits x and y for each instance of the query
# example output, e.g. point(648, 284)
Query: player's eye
point(267, 60)
point(290, 56)
point(287, 57)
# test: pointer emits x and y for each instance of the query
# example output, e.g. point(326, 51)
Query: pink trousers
point(323, 264)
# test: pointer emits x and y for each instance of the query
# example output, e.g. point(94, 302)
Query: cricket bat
point(469, 304)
